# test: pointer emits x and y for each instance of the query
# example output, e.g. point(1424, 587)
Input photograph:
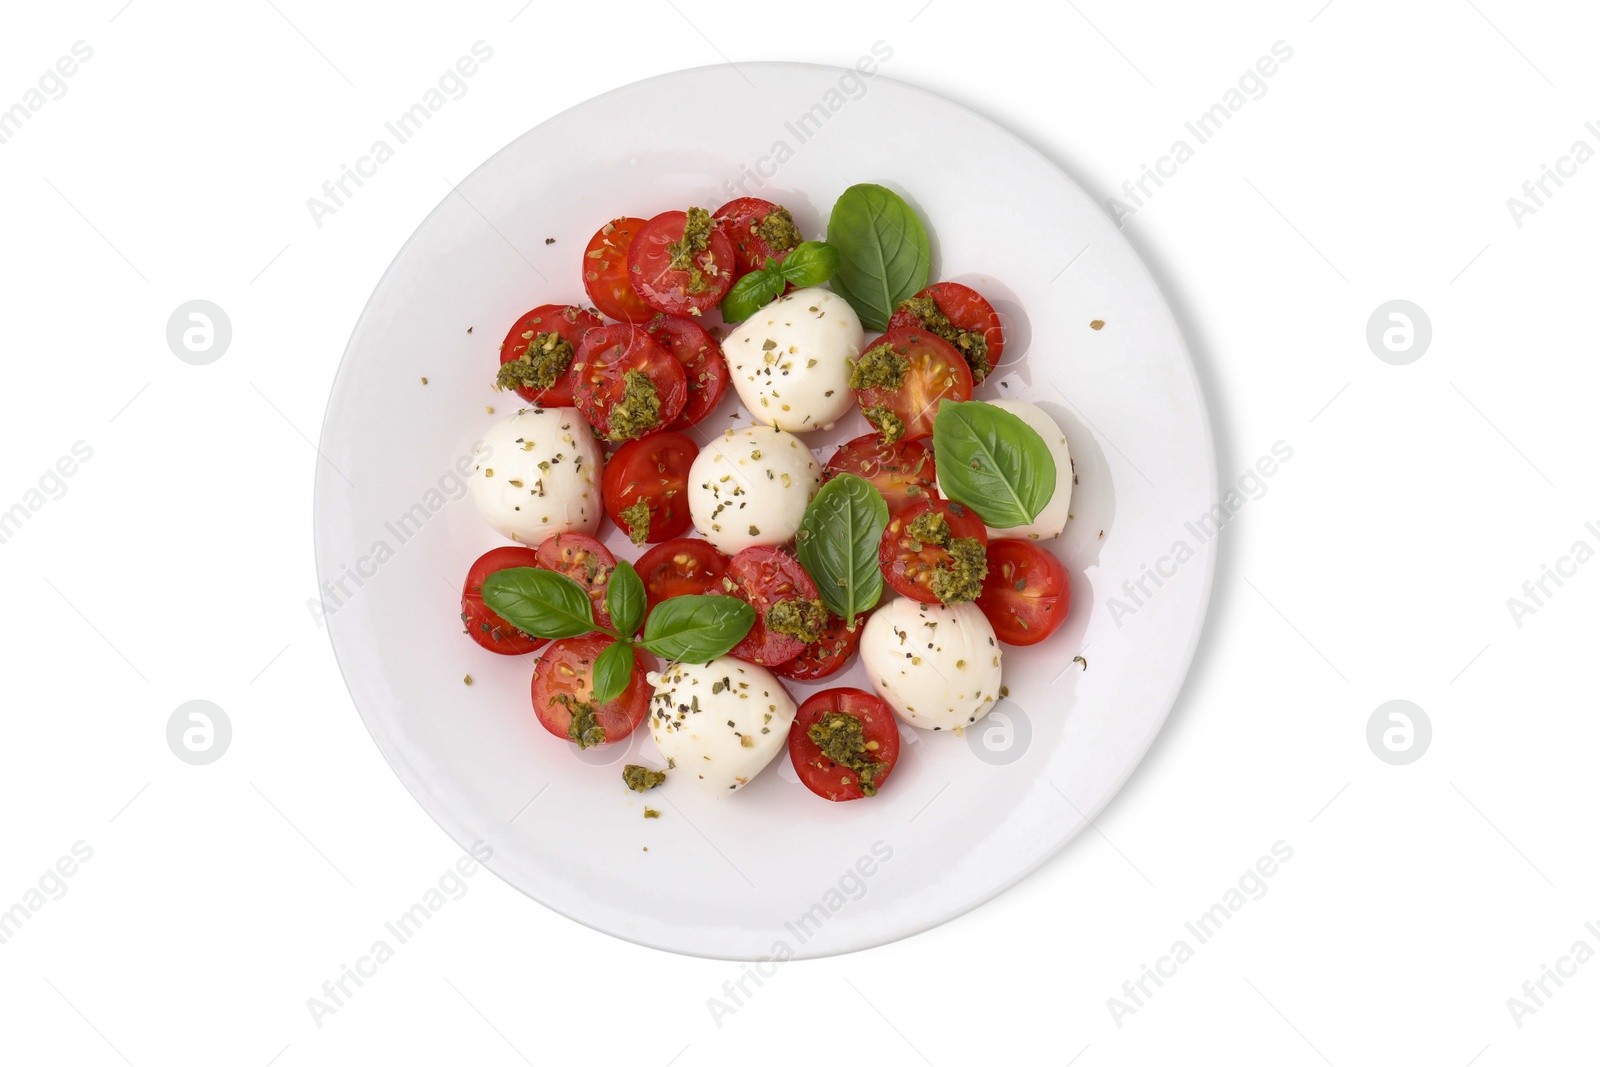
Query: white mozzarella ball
point(1053, 519)
point(937, 666)
point(751, 487)
point(718, 724)
point(790, 361)
point(537, 473)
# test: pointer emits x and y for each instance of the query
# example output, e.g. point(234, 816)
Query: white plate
point(772, 870)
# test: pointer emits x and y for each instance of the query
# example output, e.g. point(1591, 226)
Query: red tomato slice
point(1026, 592)
point(605, 271)
point(754, 244)
point(653, 470)
point(563, 680)
point(601, 368)
point(483, 625)
point(679, 291)
point(903, 472)
point(936, 372)
point(829, 655)
point(820, 773)
point(973, 328)
point(584, 560)
point(704, 367)
point(909, 565)
point(680, 567)
point(763, 577)
point(565, 321)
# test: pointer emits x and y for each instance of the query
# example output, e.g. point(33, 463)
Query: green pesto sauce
point(880, 367)
point(583, 728)
point(547, 358)
point(887, 423)
point(840, 737)
point(930, 528)
point(973, 346)
point(637, 518)
point(778, 230)
point(638, 411)
point(961, 579)
point(641, 779)
point(798, 617)
point(684, 251)
point(651, 813)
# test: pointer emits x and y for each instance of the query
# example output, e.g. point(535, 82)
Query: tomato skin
point(484, 626)
point(828, 656)
point(739, 219)
point(666, 289)
point(820, 774)
point(937, 372)
point(967, 310)
point(605, 271)
point(655, 469)
point(570, 323)
point(601, 362)
point(910, 571)
point(762, 576)
point(584, 560)
point(1028, 615)
point(551, 679)
point(680, 567)
point(902, 473)
point(704, 368)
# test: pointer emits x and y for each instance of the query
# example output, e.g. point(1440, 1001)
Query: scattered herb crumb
point(467, 680)
point(1080, 659)
point(640, 778)
point(1097, 324)
point(651, 813)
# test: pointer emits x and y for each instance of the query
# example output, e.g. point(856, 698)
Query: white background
point(176, 562)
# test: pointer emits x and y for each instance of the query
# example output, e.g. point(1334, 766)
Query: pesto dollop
point(959, 578)
point(641, 779)
point(778, 230)
point(798, 617)
point(583, 727)
point(637, 518)
point(930, 528)
point(639, 410)
point(972, 345)
point(546, 358)
point(879, 367)
point(889, 425)
point(840, 737)
point(688, 248)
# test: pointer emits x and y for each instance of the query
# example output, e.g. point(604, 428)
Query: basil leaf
point(750, 294)
point(625, 600)
point(539, 602)
point(883, 252)
point(810, 263)
point(992, 462)
point(838, 544)
point(613, 669)
point(697, 629)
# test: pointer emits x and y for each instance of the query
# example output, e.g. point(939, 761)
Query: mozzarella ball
point(537, 473)
point(1053, 519)
point(791, 360)
point(937, 666)
point(718, 724)
point(751, 487)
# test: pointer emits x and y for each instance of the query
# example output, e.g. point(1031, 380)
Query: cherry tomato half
point(704, 367)
point(828, 656)
point(688, 290)
point(972, 326)
point(761, 231)
point(763, 577)
point(879, 743)
point(483, 625)
point(935, 372)
point(1026, 592)
point(563, 680)
point(601, 371)
point(584, 560)
point(567, 322)
point(605, 271)
point(902, 472)
point(680, 567)
point(910, 566)
point(653, 471)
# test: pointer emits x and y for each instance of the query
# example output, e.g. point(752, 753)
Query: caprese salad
point(915, 546)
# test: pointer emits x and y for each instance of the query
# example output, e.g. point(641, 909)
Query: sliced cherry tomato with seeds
point(626, 385)
point(786, 603)
point(681, 262)
point(959, 315)
point(902, 472)
point(605, 271)
point(1026, 593)
point(584, 560)
point(563, 687)
point(684, 566)
point(536, 358)
point(483, 625)
point(704, 368)
point(844, 743)
point(934, 551)
point(900, 380)
point(762, 232)
point(645, 487)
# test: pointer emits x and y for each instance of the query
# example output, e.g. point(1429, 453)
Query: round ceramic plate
point(771, 871)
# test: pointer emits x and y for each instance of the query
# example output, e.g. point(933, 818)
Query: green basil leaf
point(697, 629)
point(750, 294)
point(613, 669)
point(625, 600)
point(883, 252)
point(992, 462)
point(810, 263)
point(539, 602)
point(838, 544)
